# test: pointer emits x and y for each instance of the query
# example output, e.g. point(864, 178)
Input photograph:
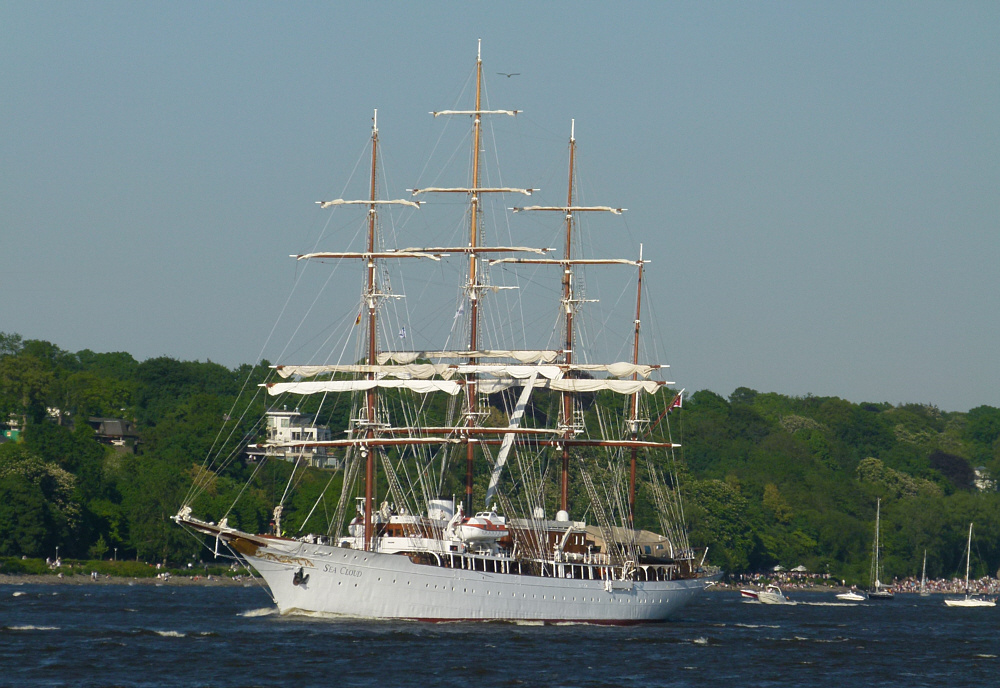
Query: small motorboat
point(851, 596)
point(773, 595)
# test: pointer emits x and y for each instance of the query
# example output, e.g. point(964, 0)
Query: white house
point(291, 426)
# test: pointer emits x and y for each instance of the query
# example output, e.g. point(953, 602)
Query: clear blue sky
point(818, 184)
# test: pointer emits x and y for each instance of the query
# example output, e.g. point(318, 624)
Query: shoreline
point(84, 579)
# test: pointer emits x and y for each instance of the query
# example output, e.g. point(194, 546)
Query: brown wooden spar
point(371, 299)
point(470, 390)
point(569, 428)
point(473, 286)
point(372, 347)
point(567, 397)
point(538, 442)
point(635, 397)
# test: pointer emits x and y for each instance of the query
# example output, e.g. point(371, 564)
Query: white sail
point(453, 387)
point(425, 371)
point(522, 355)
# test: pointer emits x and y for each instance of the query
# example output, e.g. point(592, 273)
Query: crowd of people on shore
point(981, 586)
point(792, 580)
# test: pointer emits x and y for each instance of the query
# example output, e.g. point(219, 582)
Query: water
point(144, 635)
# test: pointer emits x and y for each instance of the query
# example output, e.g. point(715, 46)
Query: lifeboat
point(485, 526)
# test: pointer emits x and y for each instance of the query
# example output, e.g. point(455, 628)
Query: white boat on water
point(418, 417)
point(851, 596)
point(970, 600)
point(772, 595)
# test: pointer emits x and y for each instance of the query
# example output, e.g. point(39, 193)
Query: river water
point(170, 635)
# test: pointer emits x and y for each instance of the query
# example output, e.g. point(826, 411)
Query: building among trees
point(285, 426)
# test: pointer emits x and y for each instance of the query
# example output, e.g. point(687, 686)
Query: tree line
point(767, 479)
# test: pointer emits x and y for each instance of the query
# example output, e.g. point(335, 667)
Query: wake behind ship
point(421, 417)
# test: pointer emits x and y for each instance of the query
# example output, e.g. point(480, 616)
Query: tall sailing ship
point(411, 553)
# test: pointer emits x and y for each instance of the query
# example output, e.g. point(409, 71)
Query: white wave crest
point(263, 611)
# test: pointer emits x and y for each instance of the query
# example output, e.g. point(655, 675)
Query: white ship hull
point(355, 583)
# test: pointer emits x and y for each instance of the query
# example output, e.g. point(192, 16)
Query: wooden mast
point(567, 397)
point(569, 304)
point(473, 286)
point(370, 296)
point(635, 397)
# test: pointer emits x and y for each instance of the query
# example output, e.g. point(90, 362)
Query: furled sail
point(453, 387)
point(522, 355)
point(425, 371)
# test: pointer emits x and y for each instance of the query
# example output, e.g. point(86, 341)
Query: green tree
point(37, 508)
point(718, 519)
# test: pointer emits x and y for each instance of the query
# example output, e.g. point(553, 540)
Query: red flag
point(676, 403)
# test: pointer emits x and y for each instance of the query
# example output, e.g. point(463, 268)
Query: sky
point(817, 185)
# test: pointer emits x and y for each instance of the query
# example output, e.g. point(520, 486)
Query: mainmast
point(567, 398)
point(473, 287)
point(370, 397)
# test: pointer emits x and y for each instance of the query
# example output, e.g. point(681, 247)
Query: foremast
point(371, 298)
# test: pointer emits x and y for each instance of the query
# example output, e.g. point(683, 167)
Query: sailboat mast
point(470, 388)
point(370, 289)
point(968, 555)
point(567, 397)
point(923, 574)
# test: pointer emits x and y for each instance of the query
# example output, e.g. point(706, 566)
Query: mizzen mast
point(634, 420)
